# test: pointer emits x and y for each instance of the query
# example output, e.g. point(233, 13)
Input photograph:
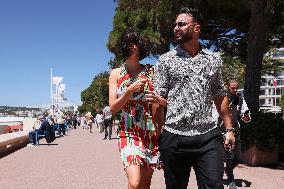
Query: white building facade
point(272, 87)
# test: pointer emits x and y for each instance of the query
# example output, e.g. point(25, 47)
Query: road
point(83, 160)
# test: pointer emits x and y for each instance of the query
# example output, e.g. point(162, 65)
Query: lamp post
point(275, 85)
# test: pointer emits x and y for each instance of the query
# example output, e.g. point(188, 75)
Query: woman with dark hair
point(138, 141)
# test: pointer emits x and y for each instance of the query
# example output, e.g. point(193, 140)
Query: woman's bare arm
point(116, 104)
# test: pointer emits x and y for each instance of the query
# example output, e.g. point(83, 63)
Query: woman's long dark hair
point(130, 36)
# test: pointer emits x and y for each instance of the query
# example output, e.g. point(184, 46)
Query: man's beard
point(183, 38)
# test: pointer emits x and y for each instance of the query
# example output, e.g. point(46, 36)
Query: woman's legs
point(139, 177)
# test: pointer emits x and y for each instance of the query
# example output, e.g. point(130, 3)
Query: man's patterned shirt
point(189, 85)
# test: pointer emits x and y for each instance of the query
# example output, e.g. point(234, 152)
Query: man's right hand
point(229, 142)
point(151, 97)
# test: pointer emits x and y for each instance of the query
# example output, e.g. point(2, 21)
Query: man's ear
point(197, 28)
point(227, 86)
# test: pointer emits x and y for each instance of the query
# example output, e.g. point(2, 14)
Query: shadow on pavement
point(279, 166)
point(275, 167)
point(60, 136)
point(48, 144)
point(238, 182)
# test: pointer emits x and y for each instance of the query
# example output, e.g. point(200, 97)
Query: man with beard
point(189, 77)
point(239, 110)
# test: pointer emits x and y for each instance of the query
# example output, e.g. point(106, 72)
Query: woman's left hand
point(151, 97)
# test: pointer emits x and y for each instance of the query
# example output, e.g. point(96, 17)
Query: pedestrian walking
point(239, 111)
point(107, 116)
point(74, 121)
point(60, 121)
point(83, 123)
point(189, 77)
point(99, 121)
point(89, 120)
point(137, 138)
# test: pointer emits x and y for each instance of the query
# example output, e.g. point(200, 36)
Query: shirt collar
point(183, 53)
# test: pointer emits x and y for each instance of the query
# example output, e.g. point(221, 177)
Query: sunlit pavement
point(84, 160)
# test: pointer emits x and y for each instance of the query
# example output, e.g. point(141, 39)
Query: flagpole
point(51, 93)
point(56, 92)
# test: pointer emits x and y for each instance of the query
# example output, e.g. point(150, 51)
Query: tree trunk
point(255, 52)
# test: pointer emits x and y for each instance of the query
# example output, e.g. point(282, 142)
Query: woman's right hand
point(137, 86)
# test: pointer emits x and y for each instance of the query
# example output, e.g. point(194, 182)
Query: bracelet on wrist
point(230, 130)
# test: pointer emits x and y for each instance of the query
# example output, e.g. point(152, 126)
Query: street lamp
point(275, 85)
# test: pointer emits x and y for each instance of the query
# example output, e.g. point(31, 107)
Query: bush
point(266, 131)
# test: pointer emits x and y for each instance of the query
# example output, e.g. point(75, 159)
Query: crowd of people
point(60, 122)
point(178, 114)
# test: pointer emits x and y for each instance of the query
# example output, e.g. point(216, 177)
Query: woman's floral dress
point(138, 141)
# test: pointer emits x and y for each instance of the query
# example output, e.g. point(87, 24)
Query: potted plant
point(262, 139)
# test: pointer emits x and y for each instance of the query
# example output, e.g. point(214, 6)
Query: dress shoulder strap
point(123, 70)
point(149, 70)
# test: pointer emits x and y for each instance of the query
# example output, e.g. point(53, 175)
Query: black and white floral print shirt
point(189, 85)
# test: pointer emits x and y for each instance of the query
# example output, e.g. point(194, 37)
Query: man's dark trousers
point(108, 128)
point(204, 153)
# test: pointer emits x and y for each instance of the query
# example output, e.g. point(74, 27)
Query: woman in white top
point(83, 122)
point(89, 120)
point(100, 120)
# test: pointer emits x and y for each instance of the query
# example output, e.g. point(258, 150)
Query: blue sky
point(68, 35)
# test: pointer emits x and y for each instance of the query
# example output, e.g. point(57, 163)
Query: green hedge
point(266, 131)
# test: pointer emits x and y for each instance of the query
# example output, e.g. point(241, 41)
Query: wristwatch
point(230, 130)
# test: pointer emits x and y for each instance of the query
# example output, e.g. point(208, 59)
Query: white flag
point(61, 88)
point(59, 97)
point(62, 98)
point(56, 80)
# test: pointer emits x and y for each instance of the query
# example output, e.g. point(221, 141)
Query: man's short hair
point(194, 13)
point(231, 81)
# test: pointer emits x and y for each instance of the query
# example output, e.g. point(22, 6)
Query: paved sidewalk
point(82, 160)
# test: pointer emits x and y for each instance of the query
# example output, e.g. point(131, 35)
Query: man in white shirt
point(59, 119)
point(99, 120)
point(107, 115)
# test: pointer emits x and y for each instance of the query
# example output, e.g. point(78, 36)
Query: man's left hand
point(151, 97)
point(246, 118)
